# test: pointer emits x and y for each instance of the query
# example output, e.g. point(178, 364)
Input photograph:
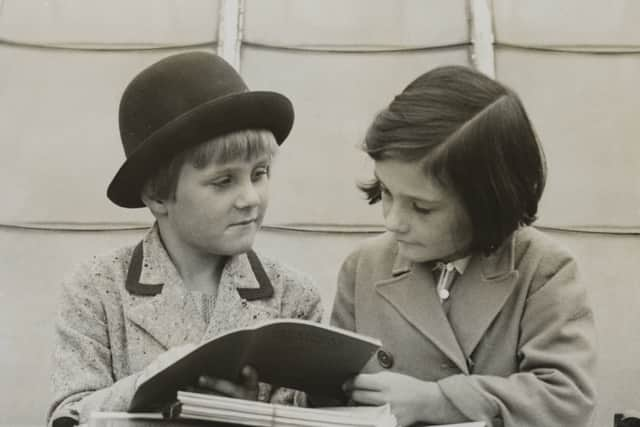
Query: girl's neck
point(463, 253)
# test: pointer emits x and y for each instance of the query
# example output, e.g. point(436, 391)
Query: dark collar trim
point(266, 288)
point(133, 276)
point(134, 287)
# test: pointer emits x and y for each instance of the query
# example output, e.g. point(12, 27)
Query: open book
point(291, 353)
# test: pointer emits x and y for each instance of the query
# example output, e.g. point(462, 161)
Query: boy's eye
point(261, 172)
point(222, 181)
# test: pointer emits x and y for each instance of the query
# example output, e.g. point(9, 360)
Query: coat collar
point(158, 302)
point(479, 296)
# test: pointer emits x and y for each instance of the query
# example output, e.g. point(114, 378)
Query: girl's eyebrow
point(413, 198)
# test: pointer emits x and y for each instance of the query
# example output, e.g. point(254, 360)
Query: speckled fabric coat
point(108, 332)
point(517, 347)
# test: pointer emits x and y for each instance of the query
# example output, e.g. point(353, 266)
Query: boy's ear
point(155, 205)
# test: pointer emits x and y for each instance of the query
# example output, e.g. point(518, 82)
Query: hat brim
point(248, 110)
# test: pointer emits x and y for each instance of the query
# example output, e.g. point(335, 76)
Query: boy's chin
point(237, 247)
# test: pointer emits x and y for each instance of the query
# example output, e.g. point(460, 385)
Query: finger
point(224, 387)
point(249, 377)
point(347, 386)
point(367, 382)
point(367, 397)
point(250, 382)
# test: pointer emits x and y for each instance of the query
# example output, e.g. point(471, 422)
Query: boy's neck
point(199, 271)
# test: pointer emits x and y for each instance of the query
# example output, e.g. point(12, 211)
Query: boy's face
point(428, 221)
point(218, 209)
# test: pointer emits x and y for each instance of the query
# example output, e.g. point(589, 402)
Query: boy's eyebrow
point(256, 163)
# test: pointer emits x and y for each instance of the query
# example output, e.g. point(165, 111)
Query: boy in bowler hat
point(199, 146)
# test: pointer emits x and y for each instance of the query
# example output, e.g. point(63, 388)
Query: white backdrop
point(64, 64)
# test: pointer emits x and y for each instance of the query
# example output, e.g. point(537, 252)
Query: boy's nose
point(248, 197)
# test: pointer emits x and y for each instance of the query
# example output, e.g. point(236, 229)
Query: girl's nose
point(394, 220)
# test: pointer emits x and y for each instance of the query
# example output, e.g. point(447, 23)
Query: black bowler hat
point(181, 101)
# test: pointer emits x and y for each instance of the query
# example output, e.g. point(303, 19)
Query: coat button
point(385, 359)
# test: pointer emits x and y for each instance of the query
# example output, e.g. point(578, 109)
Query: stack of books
point(208, 407)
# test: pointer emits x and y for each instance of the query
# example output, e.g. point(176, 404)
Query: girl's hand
point(247, 388)
point(411, 399)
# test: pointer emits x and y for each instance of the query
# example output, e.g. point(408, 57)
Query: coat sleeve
point(343, 312)
point(82, 377)
point(556, 355)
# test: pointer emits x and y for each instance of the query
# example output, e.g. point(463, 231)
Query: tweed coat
point(117, 315)
point(518, 345)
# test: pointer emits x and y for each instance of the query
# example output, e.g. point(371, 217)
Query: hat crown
point(181, 101)
point(171, 87)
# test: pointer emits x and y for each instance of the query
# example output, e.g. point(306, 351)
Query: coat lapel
point(480, 293)
point(157, 300)
point(412, 293)
point(243, 299)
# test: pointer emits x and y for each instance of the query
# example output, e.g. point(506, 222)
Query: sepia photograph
point(320, 213)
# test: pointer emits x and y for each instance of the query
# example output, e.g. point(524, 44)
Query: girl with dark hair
point(482, 317)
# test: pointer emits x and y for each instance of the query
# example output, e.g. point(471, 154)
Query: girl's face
point(428, 221)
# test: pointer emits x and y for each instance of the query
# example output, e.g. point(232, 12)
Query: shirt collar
point(461, 264)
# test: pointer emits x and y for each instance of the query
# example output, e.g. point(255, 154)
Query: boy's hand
point(247, 388)
point(411, 400)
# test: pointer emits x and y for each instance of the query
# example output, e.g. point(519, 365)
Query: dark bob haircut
point(473, 135)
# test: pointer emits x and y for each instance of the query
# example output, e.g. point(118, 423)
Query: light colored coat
point(518, 346)
point(111, 326)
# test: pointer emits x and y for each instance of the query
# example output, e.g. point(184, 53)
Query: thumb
point(250, 380)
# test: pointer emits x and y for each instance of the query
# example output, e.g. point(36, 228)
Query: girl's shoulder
point(530, 242)
point(379, 244)
point(379, 247)
point(541, 259)
point(374, 256)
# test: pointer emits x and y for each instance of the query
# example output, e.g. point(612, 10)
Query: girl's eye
point(421, 210)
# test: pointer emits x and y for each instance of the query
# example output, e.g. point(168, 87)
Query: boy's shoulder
point(281, 273)
point(103, 272)
point(297, 292)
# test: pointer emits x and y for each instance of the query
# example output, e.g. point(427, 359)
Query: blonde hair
point(247, 144)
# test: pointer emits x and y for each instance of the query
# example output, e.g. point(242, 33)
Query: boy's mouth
point(244, 222)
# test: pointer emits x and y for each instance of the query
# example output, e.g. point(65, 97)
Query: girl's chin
point(414, 253)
